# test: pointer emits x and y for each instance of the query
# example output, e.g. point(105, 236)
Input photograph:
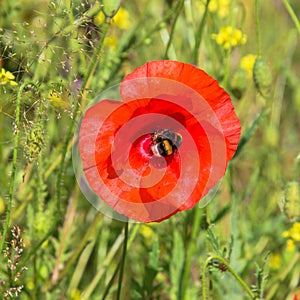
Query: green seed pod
point(239, 83)
point(34, 143)
point(262, 77)
point(290, 202)
point(110, 7)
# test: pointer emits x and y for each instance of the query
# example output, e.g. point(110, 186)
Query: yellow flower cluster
point(229, 37)
point(293, 236)
point(7, 77)
point(220, 7)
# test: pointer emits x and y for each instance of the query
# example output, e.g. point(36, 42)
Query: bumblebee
point(165, 142)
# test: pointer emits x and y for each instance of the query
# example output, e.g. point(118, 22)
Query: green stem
point(14, 162)
point(122, 261)
point(230, 269)
point(132, 234)
point(177, 13)
point(227, 68)
point(190, 252)
point(40, 198)
point(199, 34)
point(257, 29)
point(292, 14)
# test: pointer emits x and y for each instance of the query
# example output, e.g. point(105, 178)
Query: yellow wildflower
point(290, 245)
point(147, 232)
point(293, 236)
point(99, 18)
point(7, 77)
point(120, 19)
point(220, 7)
point(229, 37)
point(247, 63)
point(275, 261)
point(111, 42)
point(30, 284)
point(76, 295)
point(286, 234)
point(2, 205)
point(294, 232)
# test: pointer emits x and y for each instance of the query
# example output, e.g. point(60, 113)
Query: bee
point(165, 142)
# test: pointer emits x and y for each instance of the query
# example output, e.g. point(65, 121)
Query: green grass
point(62, 57)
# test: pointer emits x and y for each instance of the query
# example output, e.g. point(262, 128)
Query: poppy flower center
point(165, 142)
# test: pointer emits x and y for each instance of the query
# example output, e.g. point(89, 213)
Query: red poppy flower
point(164, 146)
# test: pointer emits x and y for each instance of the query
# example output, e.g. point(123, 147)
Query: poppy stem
point(292, 14)
point(178, 10)
point(228, 268)
point(190, 252)
point(122, 263)
point(258, 29)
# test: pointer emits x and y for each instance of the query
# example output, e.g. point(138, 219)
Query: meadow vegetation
point(55, 58)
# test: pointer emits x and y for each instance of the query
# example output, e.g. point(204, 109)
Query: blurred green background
point(70, 51)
